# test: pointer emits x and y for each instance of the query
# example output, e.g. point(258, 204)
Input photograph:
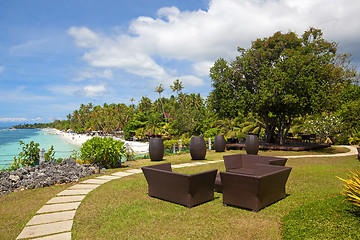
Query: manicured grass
point(329, 218)
point(17, 208)
point(122, 208)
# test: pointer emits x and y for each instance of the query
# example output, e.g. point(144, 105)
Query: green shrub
point(106, 151)
point(30, 155)
point(169, 144)
point(352, 188)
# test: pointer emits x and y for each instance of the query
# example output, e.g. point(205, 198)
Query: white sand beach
point(79, 139)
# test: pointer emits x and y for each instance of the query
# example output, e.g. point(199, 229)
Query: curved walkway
point(55, 219)
point(353, 151)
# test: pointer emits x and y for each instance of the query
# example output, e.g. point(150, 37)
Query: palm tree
point(177, 86)
point(159, 89)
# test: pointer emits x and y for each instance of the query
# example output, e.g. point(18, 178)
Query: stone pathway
point(55, 219)
point(353, 151)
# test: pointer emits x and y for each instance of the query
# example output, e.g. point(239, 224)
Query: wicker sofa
point(263, 187)
point(187, 190)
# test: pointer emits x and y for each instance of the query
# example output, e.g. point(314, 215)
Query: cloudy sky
point(56, 55)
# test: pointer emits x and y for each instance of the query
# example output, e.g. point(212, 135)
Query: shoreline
point(79, 139)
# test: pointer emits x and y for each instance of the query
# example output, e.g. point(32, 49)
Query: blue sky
point(56, 55)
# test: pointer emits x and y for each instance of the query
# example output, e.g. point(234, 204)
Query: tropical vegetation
point(282, 84)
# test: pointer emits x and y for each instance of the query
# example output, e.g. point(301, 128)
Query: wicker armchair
point(245, 163)
point(255, 191)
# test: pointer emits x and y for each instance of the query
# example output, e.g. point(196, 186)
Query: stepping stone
point(83, 186)
point(186, 164)
point(122, 174)
point(199, 163)
point(60, 236)
point(46, 229)
point(177, 166)
point(108, 177)
point(215, 161)
point(134, 171)
point(74, 192)
point(66, 199)
point(59, 207)
point(51, 217)
point(96, 181)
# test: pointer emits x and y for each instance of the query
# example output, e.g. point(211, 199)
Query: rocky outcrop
point(43, 175)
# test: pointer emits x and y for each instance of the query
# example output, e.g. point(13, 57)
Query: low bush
point(105, 151)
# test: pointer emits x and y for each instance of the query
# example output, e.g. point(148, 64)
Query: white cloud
point(92, 74)
point(28, 47)
point(13, 119)
point(92, 90)
point(200, 37)
point(20, 119)
point(22, 94)
point(191, 81)
point(202, 68)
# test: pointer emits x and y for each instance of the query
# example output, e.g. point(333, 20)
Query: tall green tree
point(177, 87)
point(281, 77)
point(159, 89)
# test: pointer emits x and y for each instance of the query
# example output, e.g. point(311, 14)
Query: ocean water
point(10, 143)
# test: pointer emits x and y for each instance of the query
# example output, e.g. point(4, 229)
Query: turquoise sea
point(10, 146)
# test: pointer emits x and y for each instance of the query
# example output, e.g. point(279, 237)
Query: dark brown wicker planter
point(197, 148)
point(219, 143)
point(252, 144)
point(156, 149)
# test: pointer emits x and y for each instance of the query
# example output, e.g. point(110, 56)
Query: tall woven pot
point(197, 148)
point(219, 143)
point(252, 144)
point(156, 149)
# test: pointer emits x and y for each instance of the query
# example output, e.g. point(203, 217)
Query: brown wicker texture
point(255, 191)
point(156, 149)
point(197, 148)
point(245, 163)
point(187, 190)
point(219, 143)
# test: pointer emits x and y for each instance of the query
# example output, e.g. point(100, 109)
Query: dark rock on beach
point(43, 175)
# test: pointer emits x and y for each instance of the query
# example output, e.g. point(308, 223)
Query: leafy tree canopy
point(279, 78)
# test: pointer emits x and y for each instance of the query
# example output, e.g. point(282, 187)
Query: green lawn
point(121, 209)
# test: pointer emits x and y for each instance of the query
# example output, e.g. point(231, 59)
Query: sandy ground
point(79, 139)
